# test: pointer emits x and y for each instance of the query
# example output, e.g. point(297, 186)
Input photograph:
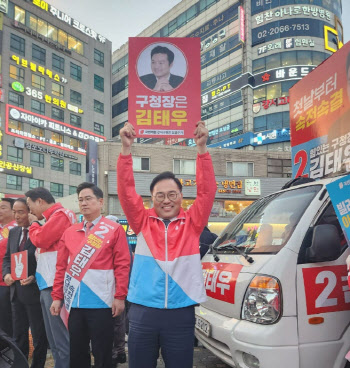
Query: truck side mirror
point(325, 245)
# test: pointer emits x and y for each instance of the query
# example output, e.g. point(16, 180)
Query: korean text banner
point(339, 192)
point(319, 118)
point(164, 86)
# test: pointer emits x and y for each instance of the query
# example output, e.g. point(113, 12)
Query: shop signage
point(271, 102)
point(224, 186)
point(4, 4)
point(50, 151)
point(45, 123)
point(287, 43)
point(1, 135)
point(15, 168)
point(282, 74)
point(38, 68)
point(241, 22)
point(252, 187)
point(305, 10)
point(331, 33)
point(213, 39)
point(2, 95)
point(17, 86)
point(69, 20)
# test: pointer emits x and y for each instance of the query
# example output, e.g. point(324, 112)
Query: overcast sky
point(119, 19)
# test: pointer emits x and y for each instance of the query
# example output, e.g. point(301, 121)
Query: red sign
point(19, 265)
point(326, 289)
point(241, 24)
point(319, 118)
point(220, 280)
point(164, 97)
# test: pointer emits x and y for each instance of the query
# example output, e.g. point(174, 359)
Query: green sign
point(17, 86)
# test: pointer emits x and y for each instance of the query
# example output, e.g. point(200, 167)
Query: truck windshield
point(267, 224)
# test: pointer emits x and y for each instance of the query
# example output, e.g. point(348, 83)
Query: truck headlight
point(262, 300)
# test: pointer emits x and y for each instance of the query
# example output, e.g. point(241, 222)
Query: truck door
point(323, 303)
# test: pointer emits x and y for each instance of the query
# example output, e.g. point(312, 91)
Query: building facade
point(242, 176)
point(252, 53)
point(56, 98)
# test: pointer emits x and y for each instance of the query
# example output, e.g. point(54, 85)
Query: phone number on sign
point(281, 29)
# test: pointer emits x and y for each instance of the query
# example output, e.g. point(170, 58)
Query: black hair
point(41, 193)
point(23, 200)
point(95, 189)
point(9, 200)
point(163, 50)
point(163, 176)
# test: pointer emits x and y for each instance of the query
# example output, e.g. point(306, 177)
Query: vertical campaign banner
point(164, 97)
point(339, 192)
point(319, 118)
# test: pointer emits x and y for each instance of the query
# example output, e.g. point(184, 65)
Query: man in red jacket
point(57, 219)
point(92, 276)
point(7, 222)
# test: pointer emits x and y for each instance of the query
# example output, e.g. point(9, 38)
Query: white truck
point(276, 280)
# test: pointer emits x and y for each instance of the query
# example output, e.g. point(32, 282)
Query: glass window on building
point(99, 57)
point(13, 182)
point(260, 123)
point(56, 137)
point(57, 90)
point(38, 132)
point(74, 168)
point(285, 87)
point(52, 33)
point(14, 154)
point(289, 58)
point(75, 45)
point(182, 166)
point(259, 65)
point(56, 189)
point(16, 99)
point(38, 82)
point(38, 107)
point(62, 38)
point(75, 97)
point(38, 54)
point(17, 73)
point(273, 61)
point(57, 114)
point(37, 159)
point(274, 121)
point(57, 164)
point(99, 107)
point(99, 128)
point(75, 72)
point(279, 168)
point(42, 27)
point(233, 208)
point(16, 125)
point(304, 57)
point(318, 57)
point(75, 120)
point(141, 163)
point(191, 12)
point(20, 15)
point(76, 143)
point(260, 94)
point(72, 190)
point(17, 44)
point(58, 63)
point(35, 183)
point(273, 90)
point(239, 168)
point(99, 83)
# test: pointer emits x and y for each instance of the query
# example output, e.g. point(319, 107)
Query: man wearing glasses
point(166, 281)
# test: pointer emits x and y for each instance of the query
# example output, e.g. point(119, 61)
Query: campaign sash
point(88, 251)
point(4, 232)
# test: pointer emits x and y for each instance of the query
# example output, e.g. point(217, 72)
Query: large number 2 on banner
point(301, 158)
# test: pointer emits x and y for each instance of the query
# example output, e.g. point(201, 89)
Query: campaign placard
point(19, 265)
point(164, 98)
point(339, 192)
point(319, 118)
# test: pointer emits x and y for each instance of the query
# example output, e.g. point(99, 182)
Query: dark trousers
point(5, 308)
point(95, 325)
point(151, 329)
point(119, 335)
point(25, 316)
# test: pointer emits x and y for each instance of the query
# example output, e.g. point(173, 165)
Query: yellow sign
point(334, 32)
point(15, 167)
point(41, 4)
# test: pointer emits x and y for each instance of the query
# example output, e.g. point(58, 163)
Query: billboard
point(319, 118)
point(164, 98)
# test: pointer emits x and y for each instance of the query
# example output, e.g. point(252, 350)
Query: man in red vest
point(7, 222)
point(92, 276)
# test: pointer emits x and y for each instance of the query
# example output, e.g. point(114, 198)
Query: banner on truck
point(164, 98)
point(320, 118)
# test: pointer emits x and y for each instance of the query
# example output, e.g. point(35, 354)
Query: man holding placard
point(20, 261)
